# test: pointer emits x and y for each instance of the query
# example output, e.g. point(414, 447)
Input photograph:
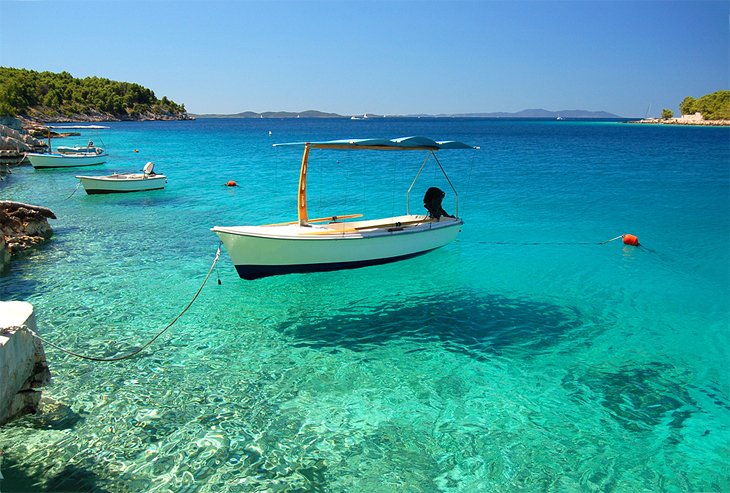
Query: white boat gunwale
point(324, 233)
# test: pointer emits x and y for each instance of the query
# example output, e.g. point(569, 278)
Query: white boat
point(124, 182)
point(57, 160)
point(70, 158)
point(89, 148)
point(325, 244)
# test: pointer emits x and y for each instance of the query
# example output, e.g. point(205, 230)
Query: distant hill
point(276, 114)
point(531, 113)
point(58, 97)
point(541, 113)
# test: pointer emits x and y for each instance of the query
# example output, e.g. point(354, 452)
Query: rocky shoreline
point(695, 119)
point(16, 138)
point(22, 226)
point(39, 115)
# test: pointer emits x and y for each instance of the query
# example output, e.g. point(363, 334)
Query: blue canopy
point(403, 143)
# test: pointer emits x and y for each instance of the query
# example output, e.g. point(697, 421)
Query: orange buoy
point(231, 183)
point(630, 240)
point(136, 150)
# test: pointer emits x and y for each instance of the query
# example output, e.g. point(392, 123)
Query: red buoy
point(231, 184)
point(630, 240)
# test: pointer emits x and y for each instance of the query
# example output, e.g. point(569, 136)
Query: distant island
point(531, 113)
point(60, 97)
point(273, 114)
point(538, 113)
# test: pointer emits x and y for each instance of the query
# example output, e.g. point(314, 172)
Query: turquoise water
point(522, 357)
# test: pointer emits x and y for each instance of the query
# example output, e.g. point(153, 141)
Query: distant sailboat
point(648, 110)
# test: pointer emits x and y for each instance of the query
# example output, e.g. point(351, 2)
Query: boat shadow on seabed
point(478, 326)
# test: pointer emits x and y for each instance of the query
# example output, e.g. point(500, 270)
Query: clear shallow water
point(522, 357)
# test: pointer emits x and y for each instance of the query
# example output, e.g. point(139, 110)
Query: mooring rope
point(72, 193)
point(628, 239)
point(134, 353)
point(619, 237)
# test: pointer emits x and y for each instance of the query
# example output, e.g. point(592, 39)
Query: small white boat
point(89, 148)
point(326, 244)
point(68, 160)
point(124, 182)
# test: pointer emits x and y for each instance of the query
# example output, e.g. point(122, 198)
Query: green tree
point(714, 106)
point(666, 114)
point(52, 99)
point(686, 107)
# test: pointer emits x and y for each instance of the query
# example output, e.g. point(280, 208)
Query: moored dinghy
point(67, 160)
point(69, 157)
point(89, 148)
point(325, 244)
point(124, 182)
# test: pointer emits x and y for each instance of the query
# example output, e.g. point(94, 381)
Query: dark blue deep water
point(524, 356)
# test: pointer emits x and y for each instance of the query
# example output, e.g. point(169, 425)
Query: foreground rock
point(22, 226)
point(23, 367)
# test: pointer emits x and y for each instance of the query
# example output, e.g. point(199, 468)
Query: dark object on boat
point(432, 202)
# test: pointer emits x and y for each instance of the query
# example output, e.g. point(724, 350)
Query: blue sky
point(383, 57)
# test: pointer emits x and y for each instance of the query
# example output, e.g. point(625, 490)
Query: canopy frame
point(402, 144)
point(443, 171)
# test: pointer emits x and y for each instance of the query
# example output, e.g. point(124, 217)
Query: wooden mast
point(302, 195)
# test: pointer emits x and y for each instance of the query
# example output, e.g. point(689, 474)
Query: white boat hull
point(65, 160)
point(261, 251)
point(122, 183)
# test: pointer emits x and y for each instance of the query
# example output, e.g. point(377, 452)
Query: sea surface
point(526, 356)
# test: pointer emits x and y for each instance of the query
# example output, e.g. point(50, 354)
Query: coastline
point(683, 121)
point(25, 133)
point(38, 116)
